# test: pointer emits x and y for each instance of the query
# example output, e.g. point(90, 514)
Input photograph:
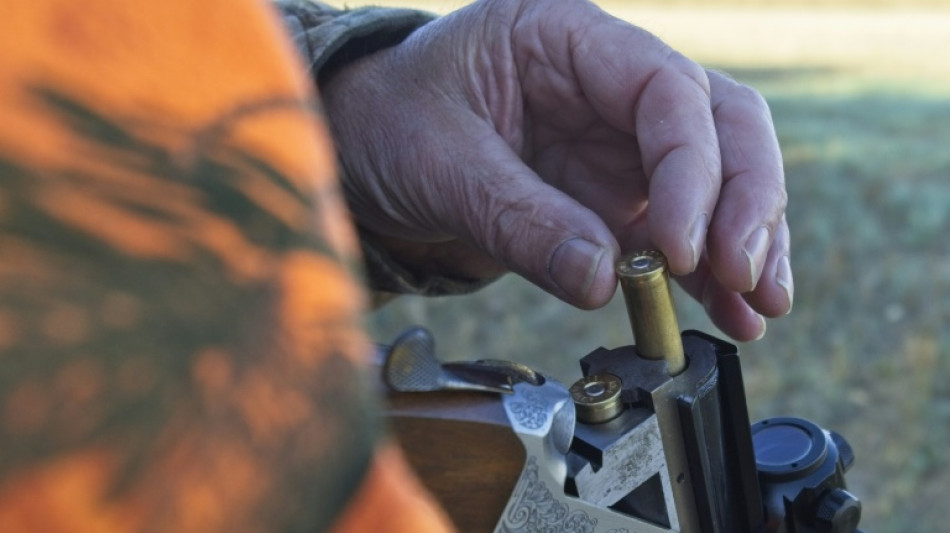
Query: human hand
point(545, 137)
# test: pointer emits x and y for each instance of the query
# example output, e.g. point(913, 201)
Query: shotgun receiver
point(654, 438)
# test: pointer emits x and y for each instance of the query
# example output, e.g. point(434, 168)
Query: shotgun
point(655, 437)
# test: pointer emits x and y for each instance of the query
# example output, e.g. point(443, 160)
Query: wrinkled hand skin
point(546, 137)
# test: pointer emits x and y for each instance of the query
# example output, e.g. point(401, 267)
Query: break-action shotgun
point(654, 437)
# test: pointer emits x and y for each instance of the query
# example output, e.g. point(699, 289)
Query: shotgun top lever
point(411, 366)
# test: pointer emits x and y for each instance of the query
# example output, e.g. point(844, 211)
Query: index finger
point(640, 85)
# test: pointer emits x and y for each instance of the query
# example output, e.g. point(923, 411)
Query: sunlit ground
point(861, 101)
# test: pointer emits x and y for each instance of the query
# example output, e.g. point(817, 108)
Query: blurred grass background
point(860, 95)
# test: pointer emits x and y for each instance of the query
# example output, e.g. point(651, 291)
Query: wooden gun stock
point(462, 447)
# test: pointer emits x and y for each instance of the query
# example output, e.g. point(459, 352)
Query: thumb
point(532, 228)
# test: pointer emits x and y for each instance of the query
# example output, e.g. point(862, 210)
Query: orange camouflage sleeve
point(180, 331)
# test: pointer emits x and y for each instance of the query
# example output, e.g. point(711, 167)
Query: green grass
point(861, 102)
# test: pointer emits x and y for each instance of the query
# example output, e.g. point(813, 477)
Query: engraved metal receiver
point(654, 438)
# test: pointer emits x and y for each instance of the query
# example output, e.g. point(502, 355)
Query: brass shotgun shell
point(597, 398)
point(644, 280)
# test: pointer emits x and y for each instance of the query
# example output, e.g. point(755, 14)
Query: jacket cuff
point(328, 37)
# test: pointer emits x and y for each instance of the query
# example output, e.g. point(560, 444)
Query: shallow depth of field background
point(860, 95)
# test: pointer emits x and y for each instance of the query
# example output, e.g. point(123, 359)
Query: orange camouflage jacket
point(180, 324)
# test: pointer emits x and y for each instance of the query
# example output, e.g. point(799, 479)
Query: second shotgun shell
point(644, 280)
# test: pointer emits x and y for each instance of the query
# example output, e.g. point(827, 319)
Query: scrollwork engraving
point(537, 510)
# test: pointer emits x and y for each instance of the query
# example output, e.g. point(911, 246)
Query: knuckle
point(682, 65)
point(744, 99)
point(750, 96)
point(775, 196)
point(781, 199)
point(736, 94)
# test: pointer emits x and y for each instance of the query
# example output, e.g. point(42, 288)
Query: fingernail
point(574, 267)
point(697, 238)
point(783, 277)
point(755, 250)
point(763, 328)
